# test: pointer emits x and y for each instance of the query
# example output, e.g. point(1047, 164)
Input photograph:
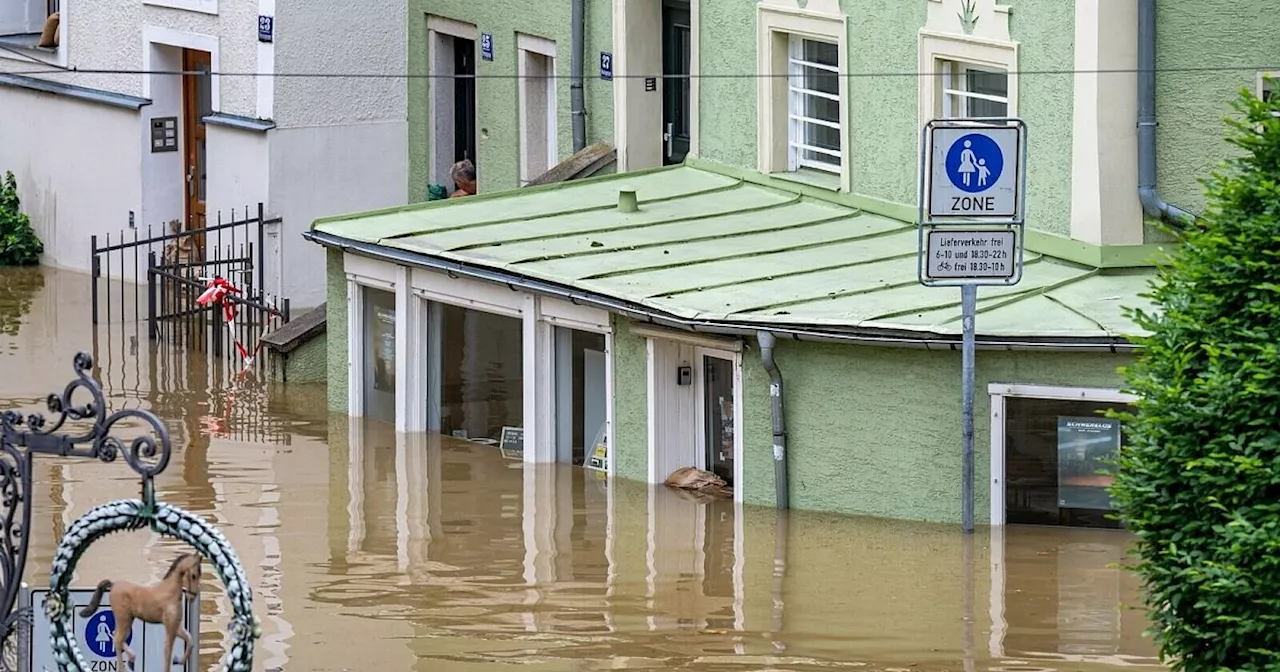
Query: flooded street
point(372, 551)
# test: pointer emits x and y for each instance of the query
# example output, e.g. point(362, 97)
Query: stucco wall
point(325, 36)
point(108, 36)
point(497, 135)
point(883, 108)
point(69, 203)
point(631, 399)
point(309, 363)
point(323, 170)
point(1225, 39)
point(335, 330)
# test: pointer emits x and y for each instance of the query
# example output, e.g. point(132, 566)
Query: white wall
point(108, 35)
point(77, 165)
point(328, 170)
point(163, 173)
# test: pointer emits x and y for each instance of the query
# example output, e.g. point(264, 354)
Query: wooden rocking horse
point(161, 603)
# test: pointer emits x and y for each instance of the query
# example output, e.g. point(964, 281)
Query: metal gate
point(157, 278)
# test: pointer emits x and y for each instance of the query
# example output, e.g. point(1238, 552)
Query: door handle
point(670, 137)
point(191, 181)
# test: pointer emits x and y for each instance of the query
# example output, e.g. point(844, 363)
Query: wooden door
point(197, 103)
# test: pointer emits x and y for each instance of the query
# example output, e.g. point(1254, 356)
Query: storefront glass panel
point(379, 354)
point(580, 397)
point(475, 373)
point(1056, 461)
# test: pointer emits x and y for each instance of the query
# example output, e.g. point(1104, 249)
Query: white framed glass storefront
point(1048, 447)
point(531, 375)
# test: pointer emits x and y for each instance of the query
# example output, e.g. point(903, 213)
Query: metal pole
point(968, 310)
point(151, 295)
point(93, 276)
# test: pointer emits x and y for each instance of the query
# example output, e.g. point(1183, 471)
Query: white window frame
point(702, 347)
point(547, 48)
point(938, 49)
point(39, 56)
point(200, 6)
point(949, 95)
point(797, 121)
point(999, 393)
point(1269, 80)
point(776, 26)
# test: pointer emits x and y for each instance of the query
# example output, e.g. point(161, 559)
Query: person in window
point(464, 177)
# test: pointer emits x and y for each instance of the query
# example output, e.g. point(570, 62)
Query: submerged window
point(1056, 454)
point(972, 91)
point(475, 372)
point(580, 395)
point(379, 354)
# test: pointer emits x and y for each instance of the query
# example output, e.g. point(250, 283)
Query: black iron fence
point(158, 278)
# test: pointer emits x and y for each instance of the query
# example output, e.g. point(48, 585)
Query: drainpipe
point(1152, 203)
point(781, 489)
point(577, 101)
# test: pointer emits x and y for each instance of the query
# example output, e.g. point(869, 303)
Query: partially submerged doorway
point(197, 103)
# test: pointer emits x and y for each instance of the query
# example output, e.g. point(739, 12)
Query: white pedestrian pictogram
point(983, 172)
point(103, 640)
point(967, 161)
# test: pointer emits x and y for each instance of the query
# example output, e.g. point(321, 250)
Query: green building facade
point(626, 322)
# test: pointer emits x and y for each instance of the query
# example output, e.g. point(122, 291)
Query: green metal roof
point(707, 246)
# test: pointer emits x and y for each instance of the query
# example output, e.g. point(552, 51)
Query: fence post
point(215, 323)
point(93, 275)
point(284, 310)
point(262, 271)
point(151, 295)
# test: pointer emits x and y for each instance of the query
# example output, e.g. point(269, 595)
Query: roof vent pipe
point(1152, 203)
point(627, 201)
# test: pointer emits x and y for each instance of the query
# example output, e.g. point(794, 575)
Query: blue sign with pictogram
point(99, 634)
point(486, 46)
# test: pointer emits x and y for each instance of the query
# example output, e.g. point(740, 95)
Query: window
point(452, 53)
point(23, 21)
point(802, 104)
point(379, 354)
point(580, 395)
point(814, 135)
point(1050, 454)
point(537, 93)
point(475, 373)
point(971, 91)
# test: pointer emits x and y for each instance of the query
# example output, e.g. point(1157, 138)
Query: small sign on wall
point(511, 442)
point(650, 83)
point(606, 66)
point(486, 46)
point(266, 28)
point(164, 134)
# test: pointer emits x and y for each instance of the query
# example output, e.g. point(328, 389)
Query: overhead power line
point(55, 69)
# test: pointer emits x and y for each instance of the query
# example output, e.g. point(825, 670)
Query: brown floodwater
point(372, 551)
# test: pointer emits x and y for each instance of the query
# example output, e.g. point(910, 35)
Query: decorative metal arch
point(23, 437)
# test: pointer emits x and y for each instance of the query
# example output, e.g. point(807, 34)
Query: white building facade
point(130, 142)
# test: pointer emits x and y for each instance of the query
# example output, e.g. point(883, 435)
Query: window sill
point(811, 178)
point(26, 42)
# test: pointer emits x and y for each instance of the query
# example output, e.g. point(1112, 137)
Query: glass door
point(718, 415)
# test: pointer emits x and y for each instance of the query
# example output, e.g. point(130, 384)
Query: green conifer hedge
point(1199, 478)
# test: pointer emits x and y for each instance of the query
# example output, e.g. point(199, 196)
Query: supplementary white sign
point(974, 172)
point(961, 254)
point(93, 635)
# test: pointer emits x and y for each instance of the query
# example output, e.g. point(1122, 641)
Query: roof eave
point(873, 337)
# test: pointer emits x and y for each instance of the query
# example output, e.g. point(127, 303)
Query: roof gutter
point(1152, 203)
point(642, 313)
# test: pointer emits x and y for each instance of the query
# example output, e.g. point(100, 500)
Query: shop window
point(379, 354)
point(580, 396)
point(1057, 454)
point(475, 372)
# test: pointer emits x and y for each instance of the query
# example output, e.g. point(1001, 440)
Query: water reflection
point(375, 550)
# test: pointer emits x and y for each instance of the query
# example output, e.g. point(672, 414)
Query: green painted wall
point(872, 431)
point(496, 93)
point(310, 362)
point(884, 42)
point(631, 403)
point(1225, 40)
point(336, 329)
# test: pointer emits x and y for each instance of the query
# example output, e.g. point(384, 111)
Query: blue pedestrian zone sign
point(975, 172)
point(98, 634)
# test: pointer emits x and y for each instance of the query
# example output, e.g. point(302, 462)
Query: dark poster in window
point(384, 348)
point(1084, 447)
